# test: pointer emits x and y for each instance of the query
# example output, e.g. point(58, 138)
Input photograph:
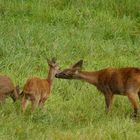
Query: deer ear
point(54, 60)
point(78, 64)
point(49, 61)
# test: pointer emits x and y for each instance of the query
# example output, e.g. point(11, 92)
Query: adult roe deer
point(110, 81)
point(7, 89)
point(37, 90)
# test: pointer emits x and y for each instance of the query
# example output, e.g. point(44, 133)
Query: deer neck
point(90, 77)
point(51, 75)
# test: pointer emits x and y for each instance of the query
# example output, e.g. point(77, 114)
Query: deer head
point(53, 65)
point(70, 73)
point(53, 68)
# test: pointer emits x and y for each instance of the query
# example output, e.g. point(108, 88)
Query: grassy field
point(105, 33)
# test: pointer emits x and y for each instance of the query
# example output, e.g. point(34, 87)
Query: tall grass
point(104, 33)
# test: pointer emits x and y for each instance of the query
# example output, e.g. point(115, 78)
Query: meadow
point(104, 33)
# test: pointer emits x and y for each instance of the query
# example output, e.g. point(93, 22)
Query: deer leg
point(35, 103)
point(2, 98)
point(41, 103)
point(132, 99)
point(108, 101)
point(24, 103)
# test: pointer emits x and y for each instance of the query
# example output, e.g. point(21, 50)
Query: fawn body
point(7, 88)
point(110, 81)
point(37, 90)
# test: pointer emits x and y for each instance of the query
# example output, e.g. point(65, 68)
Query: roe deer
point(7, 88)
point(110, 81)
point(37, 90)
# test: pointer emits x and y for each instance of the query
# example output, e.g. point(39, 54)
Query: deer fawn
point(7, 88)
point(110, 81)
point(37, 90)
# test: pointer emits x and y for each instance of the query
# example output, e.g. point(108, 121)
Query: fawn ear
point(49, 61)
point(54, 60)
point(78, 65)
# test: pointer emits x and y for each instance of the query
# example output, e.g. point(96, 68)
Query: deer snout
point(60, 75)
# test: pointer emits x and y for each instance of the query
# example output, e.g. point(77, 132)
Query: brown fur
point(110, 81)
point(37, 90)
point(7, 89)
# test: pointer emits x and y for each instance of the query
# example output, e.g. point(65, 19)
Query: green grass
point(105, 33)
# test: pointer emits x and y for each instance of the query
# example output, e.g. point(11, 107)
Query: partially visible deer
point(37, 90)
point(110, 81)
point(7, 89)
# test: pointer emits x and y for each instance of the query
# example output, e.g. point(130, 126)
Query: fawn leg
point(24, 103)
point(132, 98)
point(2, 98)
point(41, 104)
point(42, 101)
point(35, 103)
point(108, 101)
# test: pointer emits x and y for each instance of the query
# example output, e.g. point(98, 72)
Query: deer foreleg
point(108, 101)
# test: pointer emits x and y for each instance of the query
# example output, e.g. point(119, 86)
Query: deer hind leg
point(108, 101)
point(133, 99)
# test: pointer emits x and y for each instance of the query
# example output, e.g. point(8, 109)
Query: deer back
point(6, 84)
point(37, 86)
point(118, 80)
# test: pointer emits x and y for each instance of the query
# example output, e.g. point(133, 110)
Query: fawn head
point(70, 73)
point(54, 67)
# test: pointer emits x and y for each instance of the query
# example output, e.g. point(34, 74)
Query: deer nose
point(56, 75)
point(59, 75)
